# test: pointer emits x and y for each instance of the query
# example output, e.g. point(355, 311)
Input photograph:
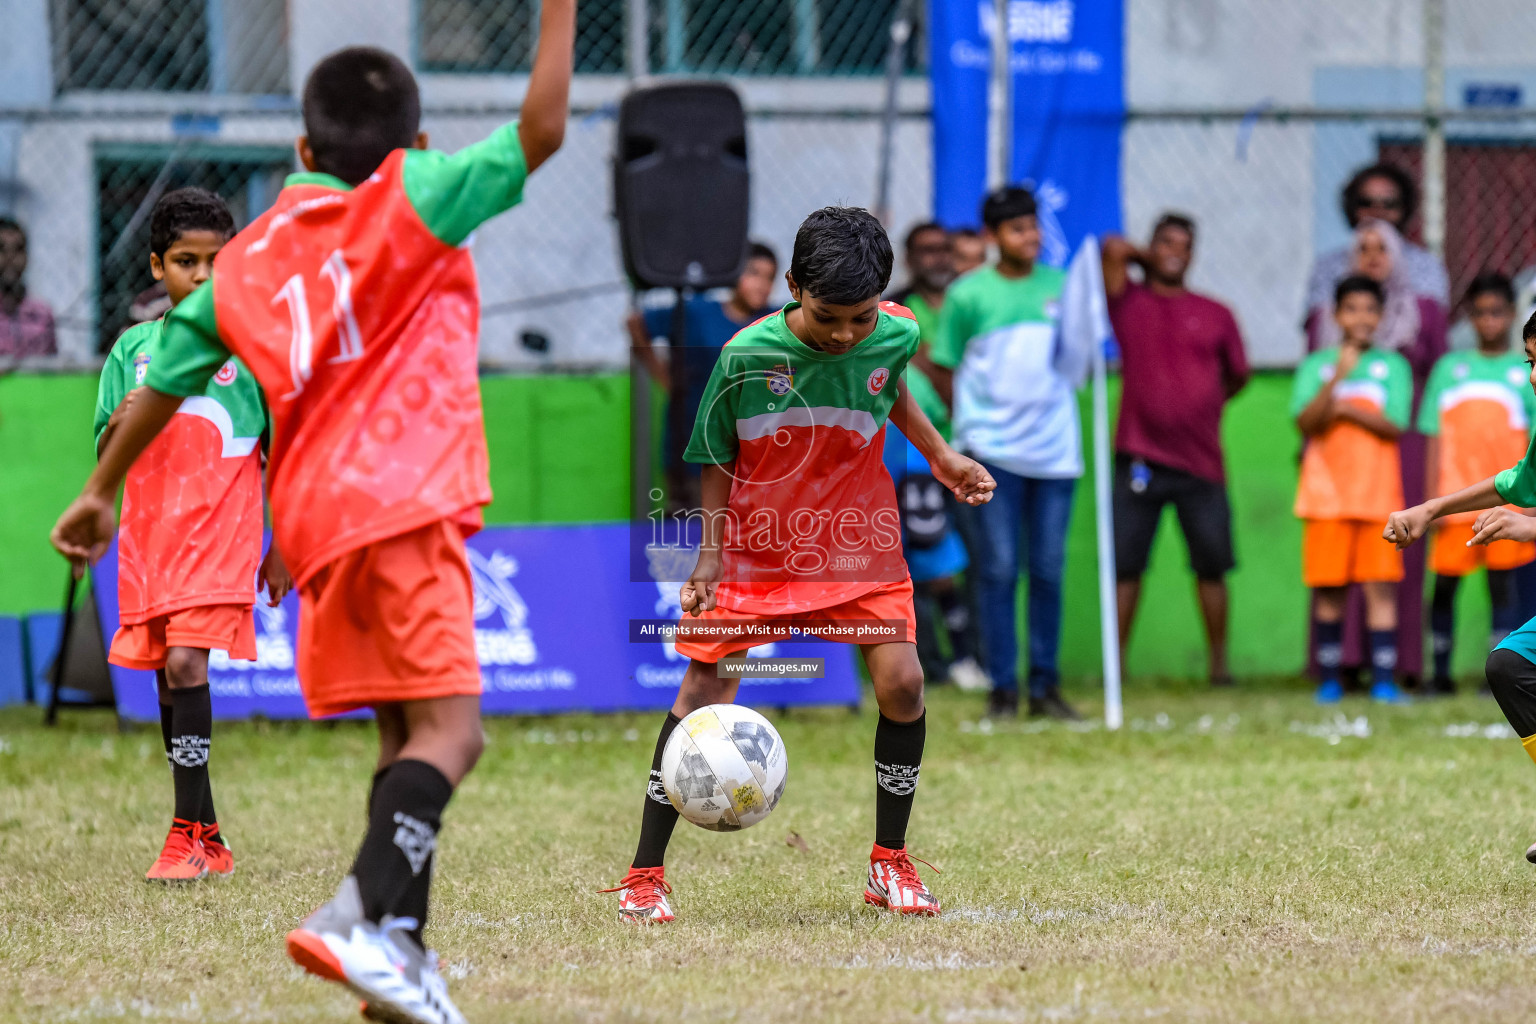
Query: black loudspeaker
point(680, 185)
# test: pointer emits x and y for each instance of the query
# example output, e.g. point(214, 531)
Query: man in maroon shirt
point(1182, 358)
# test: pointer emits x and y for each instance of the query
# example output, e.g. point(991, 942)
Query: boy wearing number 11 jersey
point(354, 302)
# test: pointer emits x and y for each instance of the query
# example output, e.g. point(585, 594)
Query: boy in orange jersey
point(1351, 403)
point(191, 533)
point(354, 302)
point(1477, 412)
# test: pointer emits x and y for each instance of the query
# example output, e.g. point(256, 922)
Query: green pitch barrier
point(559, 453)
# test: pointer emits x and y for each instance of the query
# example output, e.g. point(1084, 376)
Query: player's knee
point(900, 692)
point(1509, 674)
point(185, 668)
point(472, 747)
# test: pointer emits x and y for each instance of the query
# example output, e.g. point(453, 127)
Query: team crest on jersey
point(226, 374)
point(781, 379)
point(1461, 371)
point(140, 368)
point(1516, 377)
point(1379, 371)
point(877, 379)
point(1052, 310)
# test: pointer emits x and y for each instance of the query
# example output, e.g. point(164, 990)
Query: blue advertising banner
point(553, 612)
point(960, 63)
point(1066, 70)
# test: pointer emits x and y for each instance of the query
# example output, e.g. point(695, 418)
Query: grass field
point(1243, 856)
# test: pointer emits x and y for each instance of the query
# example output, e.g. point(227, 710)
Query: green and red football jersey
point(359, 312)
point(192, 514)
point(812, 519)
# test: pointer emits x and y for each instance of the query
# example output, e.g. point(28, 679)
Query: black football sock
point(659, 817)
point(209, 818)
point(165, 732)
point(1442, 624)
point(898, 756)
point(1505, 601)
point(373, 787)
point(1329, 643)
point(394, 864)
point(957, 621)
point(191, 735)
point(1383, 656)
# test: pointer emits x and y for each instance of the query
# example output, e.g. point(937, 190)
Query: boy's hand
point(698, 594)
point(1349, 358)
point(1407, 526)
point(1503, 523)
point(966, 478)
point(275, 577)
point(84, 531)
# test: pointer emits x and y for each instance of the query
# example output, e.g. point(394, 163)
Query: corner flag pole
point(1109, 614)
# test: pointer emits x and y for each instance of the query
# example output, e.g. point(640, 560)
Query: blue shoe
point(1330, 692)
point(1388, 693)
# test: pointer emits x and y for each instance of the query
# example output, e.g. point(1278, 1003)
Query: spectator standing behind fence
point(1017, 415)
point(1477, 413)
point(685, 370)
point(1386, 194)
point(930, 538)
point(1352, 401)
point(1183, 358)
point(26, 322)
point(1412, 325)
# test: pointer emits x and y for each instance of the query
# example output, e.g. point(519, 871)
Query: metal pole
point(637, 38)
point(1000, 101)
point(1109, 609)
point(1434, 127)
point(901, 31)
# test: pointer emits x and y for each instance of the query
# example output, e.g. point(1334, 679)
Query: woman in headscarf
point(1413, 325)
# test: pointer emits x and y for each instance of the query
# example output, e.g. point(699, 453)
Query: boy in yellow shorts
point(1477, 413)
point(1352, 403)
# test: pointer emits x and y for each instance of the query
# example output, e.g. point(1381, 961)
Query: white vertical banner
point(1085, 329)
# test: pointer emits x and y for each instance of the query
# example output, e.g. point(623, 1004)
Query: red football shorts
point(889, 602)
point(218, 627)
point(390, 622)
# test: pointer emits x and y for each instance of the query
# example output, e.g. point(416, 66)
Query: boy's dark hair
point(761, 251)
point(1406, 189)
point(1529, 330)
point(1182, 221)
point(919, 229)
point(1358, 283)
point(1490, 282)
point(842, 256)
point(360, 105)
point(1006, 203)
point(187, 209)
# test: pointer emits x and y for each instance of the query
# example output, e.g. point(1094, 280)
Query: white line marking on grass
point(1474, 730)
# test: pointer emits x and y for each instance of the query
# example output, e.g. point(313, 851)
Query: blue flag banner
point(560, 625)
point(960, 63)
point(1066, 69)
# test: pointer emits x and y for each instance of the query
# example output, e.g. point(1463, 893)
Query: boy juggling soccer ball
point(801, 526)
point(1512, 665)
point(353, 300)
point(1351, 403)
point(1477, 413)
point(191, 532)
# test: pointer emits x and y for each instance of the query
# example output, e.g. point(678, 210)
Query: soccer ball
point(724, 767)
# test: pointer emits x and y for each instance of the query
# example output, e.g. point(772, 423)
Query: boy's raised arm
point(966, 478)
point(541, 125)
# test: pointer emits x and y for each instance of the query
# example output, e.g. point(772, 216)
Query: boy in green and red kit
point(353, 300)
point(191, 532)
point(1477, 413)
point(801, 526)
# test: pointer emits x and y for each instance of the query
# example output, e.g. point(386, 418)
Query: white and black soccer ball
point(724, 767)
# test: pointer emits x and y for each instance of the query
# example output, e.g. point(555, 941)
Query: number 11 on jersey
point(301, 349)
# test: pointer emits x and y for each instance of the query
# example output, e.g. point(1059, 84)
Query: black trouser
point(1512, 678)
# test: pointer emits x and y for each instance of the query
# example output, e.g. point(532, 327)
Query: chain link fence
point(118, 101)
